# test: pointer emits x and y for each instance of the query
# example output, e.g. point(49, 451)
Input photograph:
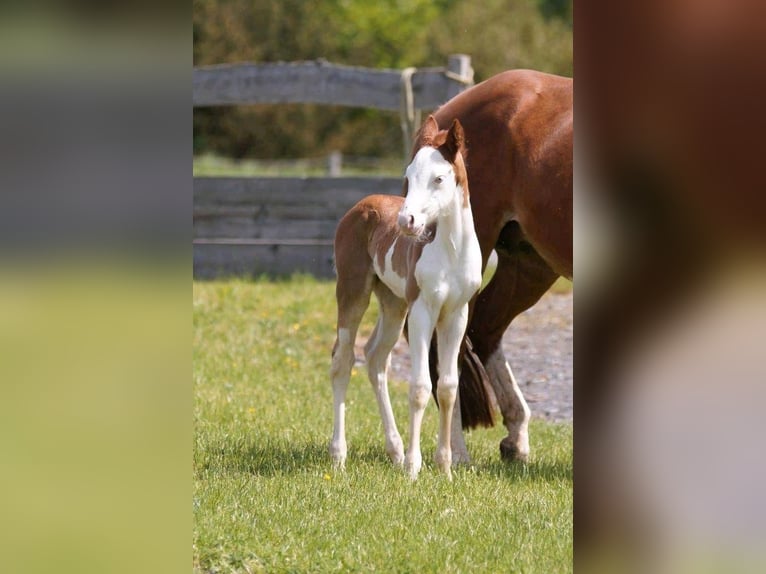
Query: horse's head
point(436, 178)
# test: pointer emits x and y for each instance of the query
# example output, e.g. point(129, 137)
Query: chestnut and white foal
point(419, 255)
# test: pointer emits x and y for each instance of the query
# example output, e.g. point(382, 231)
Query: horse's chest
point(447, 278)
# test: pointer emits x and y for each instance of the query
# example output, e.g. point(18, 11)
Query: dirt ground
point(538, 347)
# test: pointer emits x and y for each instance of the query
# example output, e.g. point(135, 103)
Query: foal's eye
point(439, 179)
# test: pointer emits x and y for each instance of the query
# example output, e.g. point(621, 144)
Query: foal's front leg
point(421, 324)
point(449, 335)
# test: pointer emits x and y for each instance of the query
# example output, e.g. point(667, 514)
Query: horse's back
point(365, 216)
point(498, 100)
point(519, 133)
point(371, 222)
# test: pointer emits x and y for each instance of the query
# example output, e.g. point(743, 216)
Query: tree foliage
point(497, 34)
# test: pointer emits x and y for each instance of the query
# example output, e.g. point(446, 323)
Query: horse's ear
point(455, 138)
point(428, 131)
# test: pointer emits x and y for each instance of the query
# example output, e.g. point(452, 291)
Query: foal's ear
point(455, 139)
point(428, 131)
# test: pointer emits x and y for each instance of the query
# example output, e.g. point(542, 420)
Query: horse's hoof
point(338, 455)
point(412, 473)
point(443, 463)
point(509, 452)
point(395, 451)
point(412, 467)
point(396, 458)
point(460, 459)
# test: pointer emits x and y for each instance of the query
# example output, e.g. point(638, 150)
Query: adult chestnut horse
point(518, 131)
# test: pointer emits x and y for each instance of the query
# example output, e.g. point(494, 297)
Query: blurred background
point(392, 34)
point(670, 206)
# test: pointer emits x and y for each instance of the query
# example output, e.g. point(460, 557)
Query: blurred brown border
point(670, 120)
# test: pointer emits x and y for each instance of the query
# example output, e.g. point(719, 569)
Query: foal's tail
point(475, 391)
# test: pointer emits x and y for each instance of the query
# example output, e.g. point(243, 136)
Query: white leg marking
point(421, 326)
point(449, 336)
point(516, 413)
point(340, 372)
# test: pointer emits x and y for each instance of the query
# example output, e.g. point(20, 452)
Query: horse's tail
point(475, 392)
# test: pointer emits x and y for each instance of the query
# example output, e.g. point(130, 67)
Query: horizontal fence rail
point(320, 82)
point(273, 225)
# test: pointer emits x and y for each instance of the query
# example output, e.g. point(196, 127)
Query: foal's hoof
point(395, 451)
point(510, 452)
point(396, 458)
point(412, 467)
point(338, 455)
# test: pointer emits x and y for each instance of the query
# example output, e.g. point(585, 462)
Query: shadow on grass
point(543, 470)
point(282, 457)
point(272, 458)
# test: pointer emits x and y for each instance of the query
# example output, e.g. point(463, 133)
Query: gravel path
point(538, 346)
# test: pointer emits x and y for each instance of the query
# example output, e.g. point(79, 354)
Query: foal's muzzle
point(407, 224)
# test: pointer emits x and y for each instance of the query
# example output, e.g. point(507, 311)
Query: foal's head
point(435, 178)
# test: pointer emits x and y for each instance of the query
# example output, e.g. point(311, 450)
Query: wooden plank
point(227, 226)
point(318, 82)
point(279, 207)
point(289, 190)
point(213, 260)
point(239, 242)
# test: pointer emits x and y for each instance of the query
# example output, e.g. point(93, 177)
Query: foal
point(419, 255)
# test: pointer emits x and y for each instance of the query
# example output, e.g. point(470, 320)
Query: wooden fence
point(280, 225)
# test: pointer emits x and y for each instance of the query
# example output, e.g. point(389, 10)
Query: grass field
point(266, 498)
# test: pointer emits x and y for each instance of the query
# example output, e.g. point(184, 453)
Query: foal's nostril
point(406, 222)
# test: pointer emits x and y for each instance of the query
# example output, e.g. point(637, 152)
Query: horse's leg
point(449, 335)
point(522, 277)
point(353, 301)
point(459, 449)
point(515, 410)
point(378, 353)
point(420, 326)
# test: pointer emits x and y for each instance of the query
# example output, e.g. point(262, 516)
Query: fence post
point(459, 70)
point(334, 163)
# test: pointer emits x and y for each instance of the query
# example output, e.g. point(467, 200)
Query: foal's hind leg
point(352, 303)
point(378, 352)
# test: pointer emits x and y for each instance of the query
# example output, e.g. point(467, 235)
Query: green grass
point(266, 498)
point(210, 165)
